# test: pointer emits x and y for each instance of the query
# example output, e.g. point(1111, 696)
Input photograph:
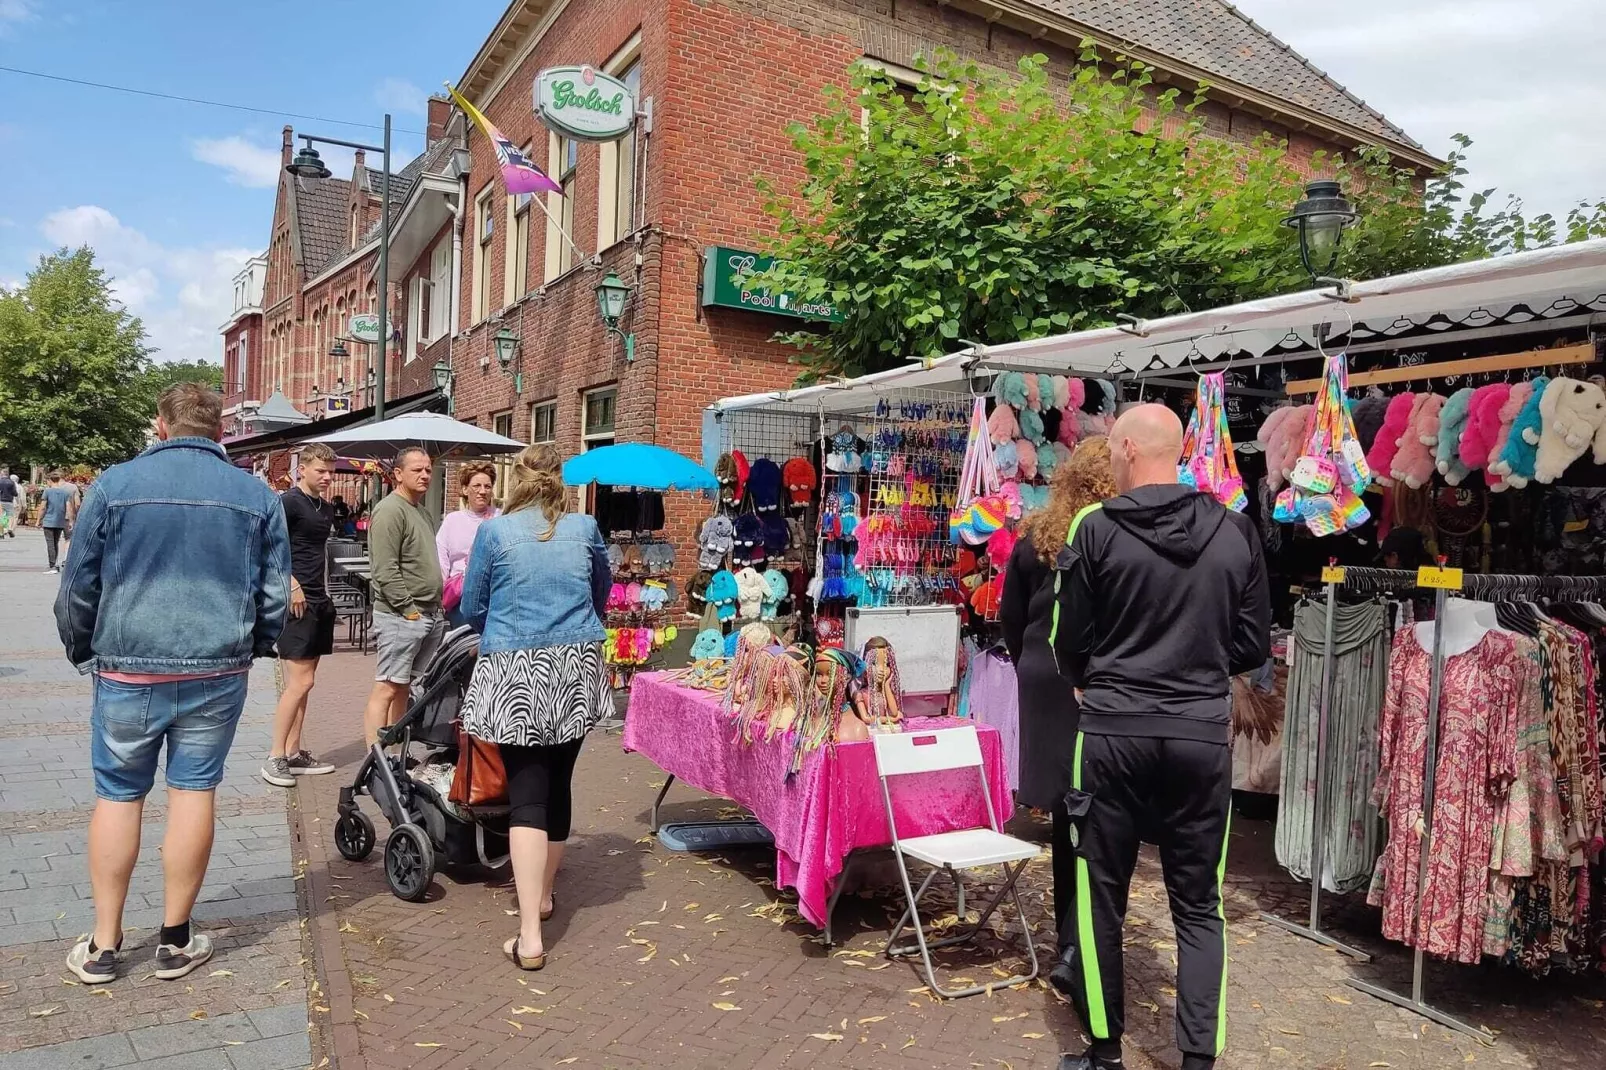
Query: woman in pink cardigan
point(477, 484)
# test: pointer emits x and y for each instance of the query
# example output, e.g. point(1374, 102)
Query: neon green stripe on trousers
point(1092, 979)
point(1221, 911)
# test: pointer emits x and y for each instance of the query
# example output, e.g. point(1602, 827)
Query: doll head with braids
point(828, 699)
point(787, 691)
point(745, 682)
point(881, 699)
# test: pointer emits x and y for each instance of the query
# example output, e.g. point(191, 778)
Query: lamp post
point(308, 171)
point(506, 345)
point(612, 293)
point(444, 381)
point(1320, 217)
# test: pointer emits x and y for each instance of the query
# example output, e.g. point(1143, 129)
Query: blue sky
point(174, 196)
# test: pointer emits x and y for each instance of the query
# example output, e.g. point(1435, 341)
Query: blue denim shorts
point(196, 718)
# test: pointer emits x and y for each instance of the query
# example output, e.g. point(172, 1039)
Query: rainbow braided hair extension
point(817, 724)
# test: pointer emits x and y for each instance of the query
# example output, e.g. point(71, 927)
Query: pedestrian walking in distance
point(405, 577)
point(536, 588)
point(309, 633)
point(10, 503)
point(56, 519)
point(1163, 598)
point(177, 577)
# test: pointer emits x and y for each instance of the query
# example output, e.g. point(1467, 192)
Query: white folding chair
point(902, 753)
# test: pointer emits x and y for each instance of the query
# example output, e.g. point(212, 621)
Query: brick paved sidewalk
point(669, 960)
point(247, 1009)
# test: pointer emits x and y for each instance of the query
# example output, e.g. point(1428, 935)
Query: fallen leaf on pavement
point(348, 927)
point(221, 973)
point(908, 1043)
point(1033, 1036)
point(424, 1044)
point(566, 1062)
point(527, 1010)
point(826, 1036)
point(45, 1013)
point(514, 1024)
point(726, 1007)
point(1341, 999)
point(727, 980)
point(197, 1015)
point(877, 1018)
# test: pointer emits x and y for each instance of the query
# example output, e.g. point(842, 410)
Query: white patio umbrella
point(441, 435)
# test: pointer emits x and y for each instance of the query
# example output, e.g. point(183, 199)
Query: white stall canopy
point(1556, 283)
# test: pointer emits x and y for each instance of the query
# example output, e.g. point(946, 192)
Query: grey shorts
point(405, 646)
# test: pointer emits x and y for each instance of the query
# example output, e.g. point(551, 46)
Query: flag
point(518, 170)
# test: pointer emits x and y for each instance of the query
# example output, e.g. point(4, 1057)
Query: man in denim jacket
point(176, 578)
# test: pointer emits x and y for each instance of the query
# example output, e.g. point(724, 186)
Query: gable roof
point(1216, 38)
point(321, 221)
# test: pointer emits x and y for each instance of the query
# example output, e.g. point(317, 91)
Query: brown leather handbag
point(481, 780)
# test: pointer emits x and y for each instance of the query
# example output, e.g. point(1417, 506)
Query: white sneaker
point(97, 970)
point(276, 771)
point(52, 572)
point(174, 962)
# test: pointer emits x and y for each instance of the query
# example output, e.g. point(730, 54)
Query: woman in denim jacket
point(536, 587)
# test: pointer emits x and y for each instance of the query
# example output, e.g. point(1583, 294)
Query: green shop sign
point(584, 103)
point(725, 275)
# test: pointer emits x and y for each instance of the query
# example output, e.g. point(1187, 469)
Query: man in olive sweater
point(406, 580)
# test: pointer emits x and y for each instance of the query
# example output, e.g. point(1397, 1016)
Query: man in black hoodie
point(1163, 598)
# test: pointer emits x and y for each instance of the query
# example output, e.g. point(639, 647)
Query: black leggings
point(52, 544)
point(538, 781)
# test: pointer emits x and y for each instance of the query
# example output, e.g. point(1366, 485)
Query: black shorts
point(310, 635)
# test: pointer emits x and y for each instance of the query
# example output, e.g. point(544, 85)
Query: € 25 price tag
point(1332, 574)
point(1446, 579)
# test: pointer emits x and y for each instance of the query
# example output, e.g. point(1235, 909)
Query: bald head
point(1145, 446)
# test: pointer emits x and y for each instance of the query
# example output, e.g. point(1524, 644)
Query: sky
point(174, 197)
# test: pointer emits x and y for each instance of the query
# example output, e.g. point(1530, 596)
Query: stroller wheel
point(409, 862)
point(354, 836)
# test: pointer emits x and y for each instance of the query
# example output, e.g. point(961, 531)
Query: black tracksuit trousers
point(1176, 794)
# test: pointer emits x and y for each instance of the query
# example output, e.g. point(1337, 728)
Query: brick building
point(723, 78)
point(242, 342)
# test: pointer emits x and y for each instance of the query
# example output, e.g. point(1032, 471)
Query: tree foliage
point(989, 208)
point(73, 364)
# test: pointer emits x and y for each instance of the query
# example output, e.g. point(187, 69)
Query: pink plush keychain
point(1414, 463)
point(1483, 425)
point(1395, 423)
point(1002, 426)
point(1270, 433)
point(1497, 471)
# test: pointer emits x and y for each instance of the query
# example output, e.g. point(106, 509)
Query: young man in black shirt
point(309, 633)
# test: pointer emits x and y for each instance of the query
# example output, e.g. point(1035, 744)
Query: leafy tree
point(990, 208)
point(72, 368)
point(159, 376)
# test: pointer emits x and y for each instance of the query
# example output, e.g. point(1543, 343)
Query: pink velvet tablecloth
point(830, 809)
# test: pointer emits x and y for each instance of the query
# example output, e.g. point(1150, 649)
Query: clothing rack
point(1441, 581)
point(1533, 358)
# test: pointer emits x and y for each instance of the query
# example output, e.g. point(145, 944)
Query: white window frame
point(440, 285)
point(560, 256)
point(415, 310)
point(481, 294)
point(548, 406)
point(615, 187)
point(502, 424)
point(592, 439)
point(516, 276)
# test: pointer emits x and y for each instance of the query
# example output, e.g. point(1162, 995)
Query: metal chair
point(905, 753)
point(350, 599)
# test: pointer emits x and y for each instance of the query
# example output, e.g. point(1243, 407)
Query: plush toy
point(1010, 389)
point(1108, 407)
point(1070, 422)
point(1052, 418)
point(1009, 491)
point(1368, 414)
point(1075, 394)
point(1517, 459)
point(1002, 425)
point(778, 591)
point(1452, 425)
point(764, 485)
point(1413, 464)
point(1031, 427)
point(750, 592)
point(1062, 392)
point(1045, 391)
point(1046, 460)
point(1573, 414)
point(1062, 453)
point(1006, 460)
point(1483, 424)
point(1496, 472)
point(709, 644)
point(1286, 440)
point(722, 593)
point(1034, 396)
point(1395, 423)
point(1270, 433)
point(1092, 397)
point(1027, 459)
point(1033, 498)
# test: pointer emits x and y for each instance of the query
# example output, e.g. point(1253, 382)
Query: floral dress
point(1476, 759)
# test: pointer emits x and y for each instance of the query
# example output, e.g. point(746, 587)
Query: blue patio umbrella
point(636, 464)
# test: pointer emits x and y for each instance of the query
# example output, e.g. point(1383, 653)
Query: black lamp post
point(444, 380)
point(1320, 218)
point(308, 169)
point(612, 293)
point(338, 350)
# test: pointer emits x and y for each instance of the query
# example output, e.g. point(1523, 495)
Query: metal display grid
point(1472, 586)
point(914, 453)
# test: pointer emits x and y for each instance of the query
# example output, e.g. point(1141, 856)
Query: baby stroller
point(426, 829)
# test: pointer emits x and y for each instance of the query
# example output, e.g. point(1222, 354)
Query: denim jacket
point(521, 592)
point(179, 563)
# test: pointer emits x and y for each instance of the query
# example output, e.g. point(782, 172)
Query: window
point(599, 412)
point(352, 240)
point(440, 287)
point(563, 156)
point(518, 249)
point(616, 170)
point(417, 297)
point(482, 254)
point(544, 422)
point(502, 424)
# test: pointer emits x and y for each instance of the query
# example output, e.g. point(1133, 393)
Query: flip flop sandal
point(516, 958)
point(546, 915)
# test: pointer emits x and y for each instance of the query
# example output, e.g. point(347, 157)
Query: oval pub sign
point(584, 103)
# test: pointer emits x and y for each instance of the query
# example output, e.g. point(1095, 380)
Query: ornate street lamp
point(308, 168)
point(612, 293)
point(506, 343)
point(338, 350)
point(1320, 218)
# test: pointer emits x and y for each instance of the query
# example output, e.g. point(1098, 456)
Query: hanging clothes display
point(1360, 677)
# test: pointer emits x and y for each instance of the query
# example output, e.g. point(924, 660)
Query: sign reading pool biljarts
point(584, 103)
point(725, 274)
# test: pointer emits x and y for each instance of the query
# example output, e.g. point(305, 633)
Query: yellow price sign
point(1333, 574)
point(1447, 579)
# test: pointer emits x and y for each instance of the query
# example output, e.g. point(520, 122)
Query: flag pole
point(540, 199)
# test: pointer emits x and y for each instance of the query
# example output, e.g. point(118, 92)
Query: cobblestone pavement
point(247, 1010)
point(669, 960)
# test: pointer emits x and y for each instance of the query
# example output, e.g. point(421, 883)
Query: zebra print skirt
point(540, 697)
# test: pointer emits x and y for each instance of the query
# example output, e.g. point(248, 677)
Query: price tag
point(1447, 579)
point(1333, 574)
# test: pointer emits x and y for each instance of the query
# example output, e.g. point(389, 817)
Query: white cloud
point(397, 95)
point(183, 294)
point(251, 165)
point(15, 12)
point(1521, 78)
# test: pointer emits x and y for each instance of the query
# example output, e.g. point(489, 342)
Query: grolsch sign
point(584, 103)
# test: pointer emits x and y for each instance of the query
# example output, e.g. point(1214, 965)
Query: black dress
point(1048, 711)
